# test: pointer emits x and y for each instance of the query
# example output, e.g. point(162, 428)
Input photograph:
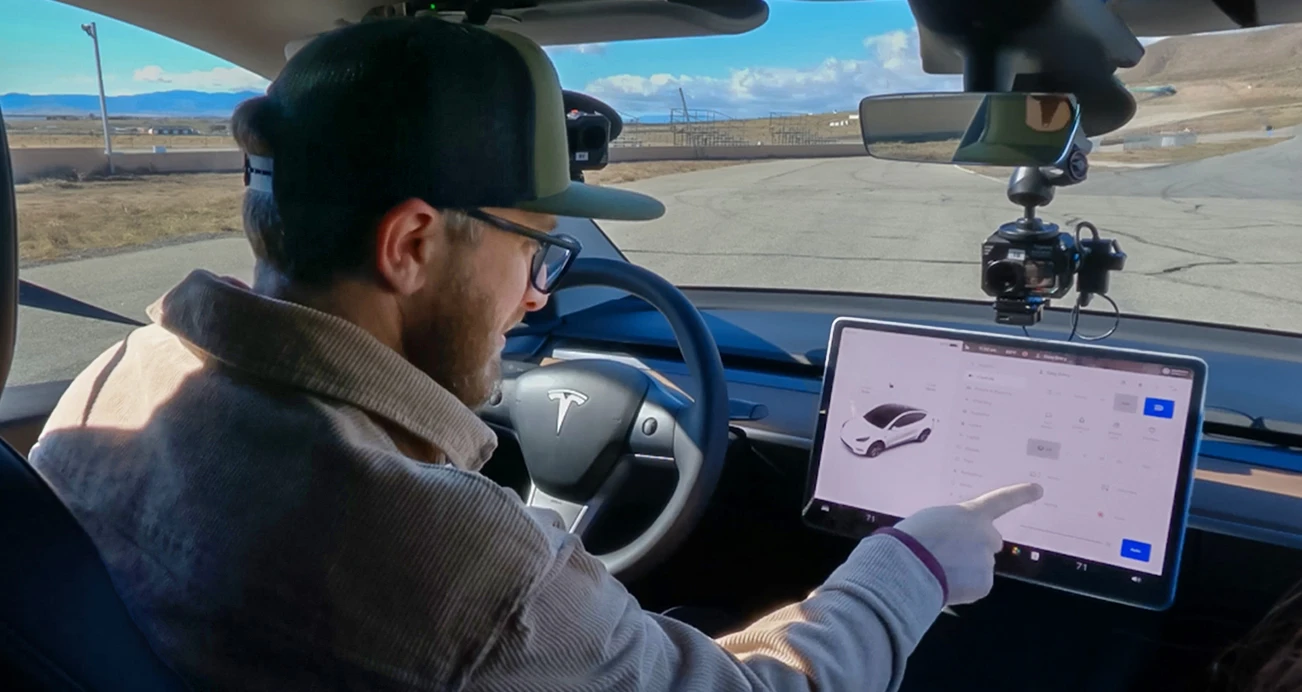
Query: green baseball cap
point(1019, 130)
point(458, 115)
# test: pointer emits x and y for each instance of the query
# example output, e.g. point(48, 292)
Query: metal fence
point(797, 129)
point(695, 127)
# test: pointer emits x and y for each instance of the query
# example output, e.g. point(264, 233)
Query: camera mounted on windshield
point(1028, 262)
point(588, 135)
point(590, 126)
point(1067, 47)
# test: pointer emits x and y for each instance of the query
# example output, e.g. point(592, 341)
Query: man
point(283, 479)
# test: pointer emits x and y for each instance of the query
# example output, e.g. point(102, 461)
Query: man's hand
point(963, 538)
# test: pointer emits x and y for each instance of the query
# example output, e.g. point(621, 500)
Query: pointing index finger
point(997, 503)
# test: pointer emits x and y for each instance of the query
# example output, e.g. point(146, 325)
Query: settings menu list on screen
point(918, 421)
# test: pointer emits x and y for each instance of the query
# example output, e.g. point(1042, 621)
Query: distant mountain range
point(175, 104)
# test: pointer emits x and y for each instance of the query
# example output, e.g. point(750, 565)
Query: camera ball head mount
point(1033, 186)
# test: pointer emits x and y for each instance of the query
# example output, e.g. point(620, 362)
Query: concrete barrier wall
point(774, 151)
point(1159, 141)
point(32, 163)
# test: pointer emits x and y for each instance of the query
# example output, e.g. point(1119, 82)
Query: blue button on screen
point(1159, 408)
point(1136, 550)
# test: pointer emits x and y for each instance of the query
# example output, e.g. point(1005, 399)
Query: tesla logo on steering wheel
point(565, 398)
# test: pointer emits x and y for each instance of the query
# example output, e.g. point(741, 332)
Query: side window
point(910, 419)
point(107, 235)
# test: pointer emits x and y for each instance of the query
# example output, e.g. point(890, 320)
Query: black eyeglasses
point(555, 253)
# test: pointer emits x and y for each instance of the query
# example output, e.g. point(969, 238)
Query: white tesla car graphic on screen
point(883, 427)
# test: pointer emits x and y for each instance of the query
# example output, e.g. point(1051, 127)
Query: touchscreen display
point(915, 421)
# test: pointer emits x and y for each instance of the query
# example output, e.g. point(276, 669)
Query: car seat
point(62, 625)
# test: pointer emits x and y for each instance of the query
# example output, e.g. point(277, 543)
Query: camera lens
point(1005, 276)
point(592, 138)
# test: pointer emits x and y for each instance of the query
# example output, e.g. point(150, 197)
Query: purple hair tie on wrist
point(923, 554)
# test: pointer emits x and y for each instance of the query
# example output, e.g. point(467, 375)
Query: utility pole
point(687, 126)
point(93, 33)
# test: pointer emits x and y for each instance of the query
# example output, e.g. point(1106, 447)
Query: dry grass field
point(1241, 120)
point(61, 219)
point(1230, 82)
point(934, 152)
point(120, 142)
point(87, 132)
point(1193, 152)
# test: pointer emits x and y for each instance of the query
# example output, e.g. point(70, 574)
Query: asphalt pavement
point(1217, 240)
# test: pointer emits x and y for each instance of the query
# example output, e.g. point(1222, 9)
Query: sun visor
point(1072, 46)
point(296, 45)
point(1038, 32)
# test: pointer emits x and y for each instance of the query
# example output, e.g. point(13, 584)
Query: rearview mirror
point(997, 129)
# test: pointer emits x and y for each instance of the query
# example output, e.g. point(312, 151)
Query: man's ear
point(408, 240)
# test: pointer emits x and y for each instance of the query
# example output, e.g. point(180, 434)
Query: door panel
point(24, 410)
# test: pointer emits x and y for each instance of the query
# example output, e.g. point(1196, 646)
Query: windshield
point(884, 414)
point(751, 141)
point(1201, 188)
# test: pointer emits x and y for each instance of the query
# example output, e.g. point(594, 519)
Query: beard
point(456, 342)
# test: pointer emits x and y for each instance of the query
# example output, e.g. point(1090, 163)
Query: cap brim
point(593, 202)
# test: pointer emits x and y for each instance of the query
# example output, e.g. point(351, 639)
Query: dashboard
point(752, 552)
point(774, 343)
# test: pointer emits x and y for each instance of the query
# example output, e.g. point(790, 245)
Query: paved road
point(1217, 240)
point(54, 346)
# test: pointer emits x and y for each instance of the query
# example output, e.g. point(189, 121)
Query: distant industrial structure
point(171, 130)
point(702, 127)
point(1161, 140)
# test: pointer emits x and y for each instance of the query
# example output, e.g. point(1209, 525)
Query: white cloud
point(580, 48)
point(892, 64)
point(216, 79)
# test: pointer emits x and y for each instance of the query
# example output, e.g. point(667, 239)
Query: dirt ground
point(63, 219)
point(120, 142)
point(1238, 119)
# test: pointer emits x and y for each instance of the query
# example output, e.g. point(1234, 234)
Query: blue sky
point(809, 57)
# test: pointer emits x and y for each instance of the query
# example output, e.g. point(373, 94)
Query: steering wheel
point(584, 425)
